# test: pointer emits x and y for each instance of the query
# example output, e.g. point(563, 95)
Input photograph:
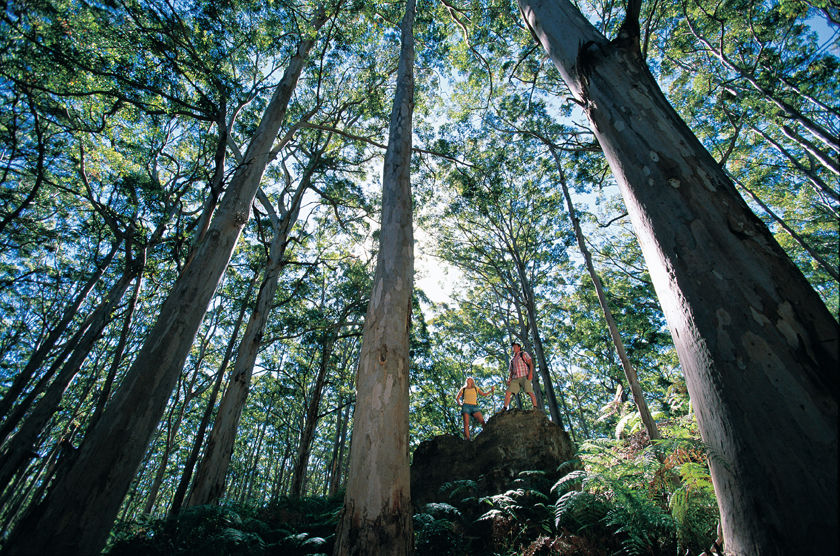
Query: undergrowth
point(620, 495)
point(290, 527)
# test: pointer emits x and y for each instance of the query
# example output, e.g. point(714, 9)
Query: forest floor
point(620, 495)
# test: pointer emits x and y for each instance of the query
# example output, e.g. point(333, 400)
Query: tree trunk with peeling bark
point(377, 514)
point(758, 347)
point(78, 512)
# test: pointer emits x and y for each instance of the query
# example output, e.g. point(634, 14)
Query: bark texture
point(377, 514)
point(78, 512)
point(758, 347)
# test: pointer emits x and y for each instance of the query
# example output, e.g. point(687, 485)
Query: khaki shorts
point(521, 382)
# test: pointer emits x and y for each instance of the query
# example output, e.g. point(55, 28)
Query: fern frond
point(570, 480)
point(534, 473)
point(498, 499)
point(578, 510)
point(569, 465)
point(439, 509)
point(491, 515)
point(314, 542)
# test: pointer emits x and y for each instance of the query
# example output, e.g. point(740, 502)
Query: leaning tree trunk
point(40, 356)
point(198, 441)
point(210, 478)
point(78, 512)
point(758, 347)
point(377, 514)
point(311, 418)
point(629, 370)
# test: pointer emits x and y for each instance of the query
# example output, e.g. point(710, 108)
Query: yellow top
point(471, 396)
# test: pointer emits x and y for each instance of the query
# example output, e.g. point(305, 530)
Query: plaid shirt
point(519, 364)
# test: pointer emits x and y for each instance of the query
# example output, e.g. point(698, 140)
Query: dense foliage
point(122, 123)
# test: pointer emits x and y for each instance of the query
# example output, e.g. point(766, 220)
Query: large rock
point(511, 442)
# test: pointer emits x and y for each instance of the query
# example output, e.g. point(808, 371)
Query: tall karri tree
point(377, 513)
point(758, 347)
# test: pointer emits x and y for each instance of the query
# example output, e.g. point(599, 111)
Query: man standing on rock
point(520, 374)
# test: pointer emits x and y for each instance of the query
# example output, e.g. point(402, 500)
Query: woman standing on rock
point(469, 404)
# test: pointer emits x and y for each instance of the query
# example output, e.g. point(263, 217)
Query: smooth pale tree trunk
point(78, 512)
point(629, 371)
point(198, 442)
point(758, 347)
point(377, 513)
point(209, 483)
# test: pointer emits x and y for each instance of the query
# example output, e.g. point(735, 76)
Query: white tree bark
point(377, 514)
